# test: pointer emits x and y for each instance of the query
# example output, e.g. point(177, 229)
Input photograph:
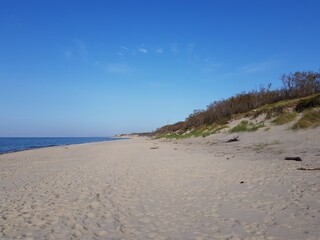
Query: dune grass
point(285, 118)
point(213, 130)
point(246, 126)
point(308, 102)
point(203, 131)
point(281, 110)
point(310, 118)
point(274, 109)
point(281, 107)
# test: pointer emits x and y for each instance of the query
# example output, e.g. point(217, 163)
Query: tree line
point(295, 85)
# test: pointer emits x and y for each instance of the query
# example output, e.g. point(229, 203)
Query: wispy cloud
point(123, 51)
point(210, 67)
point(159, 50)
point(121, 54)
point(143, 50)
point(124, 48)
point(81, 48)
point(77, 50)
point(68, 54)
point(259, 67)
point(118, 68)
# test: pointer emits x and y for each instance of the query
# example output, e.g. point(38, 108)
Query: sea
point(14, 144)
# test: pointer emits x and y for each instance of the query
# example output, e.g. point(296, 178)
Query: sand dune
point(140, 188)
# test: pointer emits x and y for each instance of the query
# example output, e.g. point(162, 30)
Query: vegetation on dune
point(310, 118)
point(275, 109)
point(203, 131)
point(273, 103)
point(310, 102)
point(286, 110)
point(214, 129)
point(285, 118)
point(246, 126)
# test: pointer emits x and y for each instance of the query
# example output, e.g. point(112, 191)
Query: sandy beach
point(200, 188)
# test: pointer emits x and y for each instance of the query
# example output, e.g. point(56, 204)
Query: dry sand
point(140, 188)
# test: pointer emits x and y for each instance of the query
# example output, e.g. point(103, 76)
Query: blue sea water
point(13, 144)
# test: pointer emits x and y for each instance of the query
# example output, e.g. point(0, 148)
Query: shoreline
point(160, 189)
point(50, 146)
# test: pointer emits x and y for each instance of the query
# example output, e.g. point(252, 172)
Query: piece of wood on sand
point(293, 158)
point(308, 169)
point(234, 139)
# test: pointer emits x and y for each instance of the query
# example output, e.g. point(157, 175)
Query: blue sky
point(98, 68)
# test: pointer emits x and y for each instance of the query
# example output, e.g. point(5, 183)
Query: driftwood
point(293, 158)
point(154, 147)
point(235, 139)
point(308, 169)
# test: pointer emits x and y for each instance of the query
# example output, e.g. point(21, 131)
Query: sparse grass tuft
point(310, 118)
point(255, 127)
point(261, 146)
point(285, 118)
point(213, 130)
point(241, 127)
point(246, 126)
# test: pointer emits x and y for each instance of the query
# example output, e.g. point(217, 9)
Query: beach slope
point(158, 189)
